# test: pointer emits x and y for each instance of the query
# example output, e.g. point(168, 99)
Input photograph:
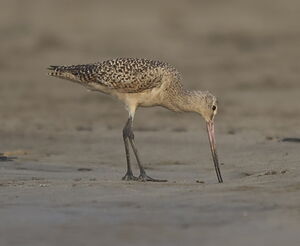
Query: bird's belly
point(142, 99)
point(148, 99)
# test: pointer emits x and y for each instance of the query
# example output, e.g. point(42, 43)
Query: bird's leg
point(143, 176)
point(129, 174)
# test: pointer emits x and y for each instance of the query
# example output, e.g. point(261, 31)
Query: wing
point(129, 75)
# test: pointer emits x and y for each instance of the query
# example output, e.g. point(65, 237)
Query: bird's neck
point(186, 101)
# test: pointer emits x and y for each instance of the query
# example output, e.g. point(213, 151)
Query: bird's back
point(129, 75)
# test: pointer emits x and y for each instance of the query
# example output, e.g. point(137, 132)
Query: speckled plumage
point(146, 83)
point(129, 75)
point(138, 82)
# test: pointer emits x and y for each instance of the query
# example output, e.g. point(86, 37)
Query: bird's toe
point(129, 177)
point(146, 178)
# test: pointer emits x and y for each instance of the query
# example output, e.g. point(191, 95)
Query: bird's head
point(205, 104)
point(207, 107)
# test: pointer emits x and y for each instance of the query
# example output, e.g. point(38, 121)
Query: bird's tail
point(64, 72)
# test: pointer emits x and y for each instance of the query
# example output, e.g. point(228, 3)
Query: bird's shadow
point(292, 140)
point(7, 158)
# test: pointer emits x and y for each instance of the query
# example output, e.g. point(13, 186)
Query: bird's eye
point(214, 108)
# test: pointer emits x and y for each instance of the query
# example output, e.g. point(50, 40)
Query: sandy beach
point(63, 154)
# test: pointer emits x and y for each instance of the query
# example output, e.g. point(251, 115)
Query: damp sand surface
point(62, 154)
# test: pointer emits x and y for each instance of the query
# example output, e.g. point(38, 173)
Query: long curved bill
point(212, 142)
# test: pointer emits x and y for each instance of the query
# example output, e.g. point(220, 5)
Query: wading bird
point(143, 83)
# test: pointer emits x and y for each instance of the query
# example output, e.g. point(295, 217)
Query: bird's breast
point(143, 99)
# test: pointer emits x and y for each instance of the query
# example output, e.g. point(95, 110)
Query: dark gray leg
point(129, 174)
point(143, 176)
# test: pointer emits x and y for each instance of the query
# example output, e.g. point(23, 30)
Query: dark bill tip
point(212, 143)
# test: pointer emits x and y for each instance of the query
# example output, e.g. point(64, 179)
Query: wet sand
point(61, 181)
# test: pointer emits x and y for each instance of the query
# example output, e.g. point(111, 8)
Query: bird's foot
point(146, 178)
point(129, 177)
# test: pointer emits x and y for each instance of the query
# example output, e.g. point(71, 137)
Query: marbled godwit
point(143, 83)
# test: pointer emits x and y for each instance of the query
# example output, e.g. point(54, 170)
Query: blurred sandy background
point(62, 185)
